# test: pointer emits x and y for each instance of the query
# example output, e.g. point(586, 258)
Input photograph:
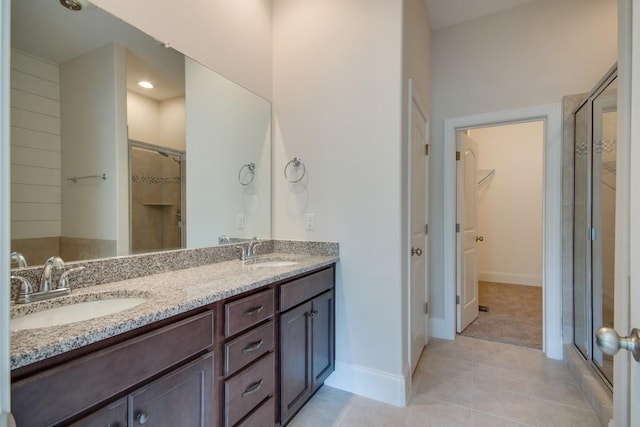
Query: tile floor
point(467, 382)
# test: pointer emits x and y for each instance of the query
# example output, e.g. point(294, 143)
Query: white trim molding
point(510, 278)
point(551, 114)
point(378, 385)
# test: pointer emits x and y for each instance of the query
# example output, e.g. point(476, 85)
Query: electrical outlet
point(310, 221)
point(240, 220)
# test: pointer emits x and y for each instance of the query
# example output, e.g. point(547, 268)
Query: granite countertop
point(168, 294)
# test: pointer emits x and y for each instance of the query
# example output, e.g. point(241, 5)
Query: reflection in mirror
point(157, 201)
point(77, 113)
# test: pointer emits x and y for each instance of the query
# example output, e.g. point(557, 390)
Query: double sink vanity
point(191, 338)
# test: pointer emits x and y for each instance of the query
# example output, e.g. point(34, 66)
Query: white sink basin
point(274, 263)
point(73, 313)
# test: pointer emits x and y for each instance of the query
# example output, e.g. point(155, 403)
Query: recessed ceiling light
point(145, 84)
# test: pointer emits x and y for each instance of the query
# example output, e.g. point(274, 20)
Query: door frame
point(551, 115)
point(626, 206)
point(414, 98)
point(5, 230)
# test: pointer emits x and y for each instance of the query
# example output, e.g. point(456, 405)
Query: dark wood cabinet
point(252, 360)
point(307, 340)
point(295, 358)
point(180, 398)
point(323, 338)
point(62, 394)
point(112, 415)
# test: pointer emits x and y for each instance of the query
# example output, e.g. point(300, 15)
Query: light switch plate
point(310, 221)
point(240, 220)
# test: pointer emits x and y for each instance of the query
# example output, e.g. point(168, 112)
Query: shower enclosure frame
point(587, 352)
point(132, 143)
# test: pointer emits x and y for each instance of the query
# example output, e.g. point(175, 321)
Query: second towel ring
point(251, 172)
point(296, 163)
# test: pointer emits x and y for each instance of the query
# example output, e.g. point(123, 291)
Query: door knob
point(416, 251)
point(610, 342)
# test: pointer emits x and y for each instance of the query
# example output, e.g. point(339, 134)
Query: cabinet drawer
point(304, 288)
point(246, 312)
point(245, 391)
point(264, 416)
point(68, 389)
point(248, 347)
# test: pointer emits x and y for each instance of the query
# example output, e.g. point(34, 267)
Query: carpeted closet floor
point(514, 316)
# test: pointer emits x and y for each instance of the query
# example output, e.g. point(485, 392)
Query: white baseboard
point(371, 383)
point(510, 278)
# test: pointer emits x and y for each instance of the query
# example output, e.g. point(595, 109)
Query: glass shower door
point(594, 222)
point(603, 216)
point(581, 221)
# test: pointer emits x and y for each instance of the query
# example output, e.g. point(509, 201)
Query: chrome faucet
point(64, 278)
point(250, 252)
point(45, 279)
point(253, 246)
point(18, 258)
point(24, 291)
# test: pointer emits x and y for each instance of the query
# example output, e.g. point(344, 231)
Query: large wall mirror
point(101, 166)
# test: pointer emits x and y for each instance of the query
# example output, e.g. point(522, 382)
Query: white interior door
point(467, 280)
point(634, 219)
point(417, 216)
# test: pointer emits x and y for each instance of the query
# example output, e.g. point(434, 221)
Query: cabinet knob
point(142, 418)
point(416, 251)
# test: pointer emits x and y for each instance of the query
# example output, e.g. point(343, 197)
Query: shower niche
point(156, 198)
point(594, 204)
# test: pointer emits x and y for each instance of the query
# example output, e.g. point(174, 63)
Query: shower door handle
point(610, 342)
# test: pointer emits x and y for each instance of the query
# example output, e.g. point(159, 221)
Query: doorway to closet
point(500, 195)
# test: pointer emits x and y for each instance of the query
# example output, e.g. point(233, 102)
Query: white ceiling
point(443, 13)
point(46, 29)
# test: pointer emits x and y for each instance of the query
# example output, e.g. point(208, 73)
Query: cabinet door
point(323, 359)
point(113, 415)
point(295, 358)
point(181, 398)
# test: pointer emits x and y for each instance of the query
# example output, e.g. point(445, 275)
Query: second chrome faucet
point(251, 251)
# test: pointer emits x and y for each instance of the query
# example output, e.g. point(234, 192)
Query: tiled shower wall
point(155, 201)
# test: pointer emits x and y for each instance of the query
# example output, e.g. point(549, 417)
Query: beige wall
point(230, 37)
point(526, 56)
point(91, 128)
point(157, 122)
point(339, 106)
point(510, 207)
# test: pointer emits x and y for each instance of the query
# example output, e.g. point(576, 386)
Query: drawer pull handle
point(252, 346)
point(252, 388)
point(253, 311)
point(142, 418)
point(313, 313)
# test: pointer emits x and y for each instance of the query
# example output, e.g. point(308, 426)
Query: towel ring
point(251, 172)
point(296, 163)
